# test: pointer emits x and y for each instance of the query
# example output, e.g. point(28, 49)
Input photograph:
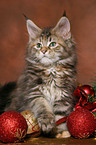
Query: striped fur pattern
point(49, 79)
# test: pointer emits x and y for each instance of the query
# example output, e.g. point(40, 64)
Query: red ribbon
point(61, 120)
point(83, 102)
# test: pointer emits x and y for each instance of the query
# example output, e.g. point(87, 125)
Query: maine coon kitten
point(49, 79)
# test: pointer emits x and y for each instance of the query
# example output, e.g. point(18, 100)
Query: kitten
point(49, 79)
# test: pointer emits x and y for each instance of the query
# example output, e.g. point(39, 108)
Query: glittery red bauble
point(81, 123)
point(88, 90)
point(13, 127)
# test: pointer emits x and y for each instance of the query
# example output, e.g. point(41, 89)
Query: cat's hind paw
point(64, 134)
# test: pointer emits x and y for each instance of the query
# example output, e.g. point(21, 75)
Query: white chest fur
point(51, 91)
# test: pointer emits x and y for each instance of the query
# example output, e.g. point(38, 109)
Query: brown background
point(14, 37)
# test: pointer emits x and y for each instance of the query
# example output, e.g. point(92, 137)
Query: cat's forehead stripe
point(45, 33)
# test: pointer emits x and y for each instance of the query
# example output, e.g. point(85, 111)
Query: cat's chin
point(46, 61)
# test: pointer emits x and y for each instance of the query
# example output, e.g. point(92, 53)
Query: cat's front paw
point(64, 134)
point(46, 123)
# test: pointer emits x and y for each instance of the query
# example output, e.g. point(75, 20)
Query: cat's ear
point(63, 28)
point(33, 30)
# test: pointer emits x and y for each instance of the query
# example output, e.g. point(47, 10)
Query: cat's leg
point(62, 108)
point(62, 131)
point(44, 114)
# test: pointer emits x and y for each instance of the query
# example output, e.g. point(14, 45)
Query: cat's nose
point(43, 50)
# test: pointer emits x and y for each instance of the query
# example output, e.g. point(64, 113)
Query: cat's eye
point(38, 45)
point(52, 44)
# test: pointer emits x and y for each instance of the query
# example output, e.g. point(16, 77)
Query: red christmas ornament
point(88, 90)
point(85, 90)
point(13, 127)
point(81, 123)
point(83, 94)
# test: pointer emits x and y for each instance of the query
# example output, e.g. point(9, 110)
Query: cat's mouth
point(48, 61)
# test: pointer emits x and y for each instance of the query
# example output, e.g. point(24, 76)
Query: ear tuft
point(63, 28)
point(64, 14)
point(26, 18)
